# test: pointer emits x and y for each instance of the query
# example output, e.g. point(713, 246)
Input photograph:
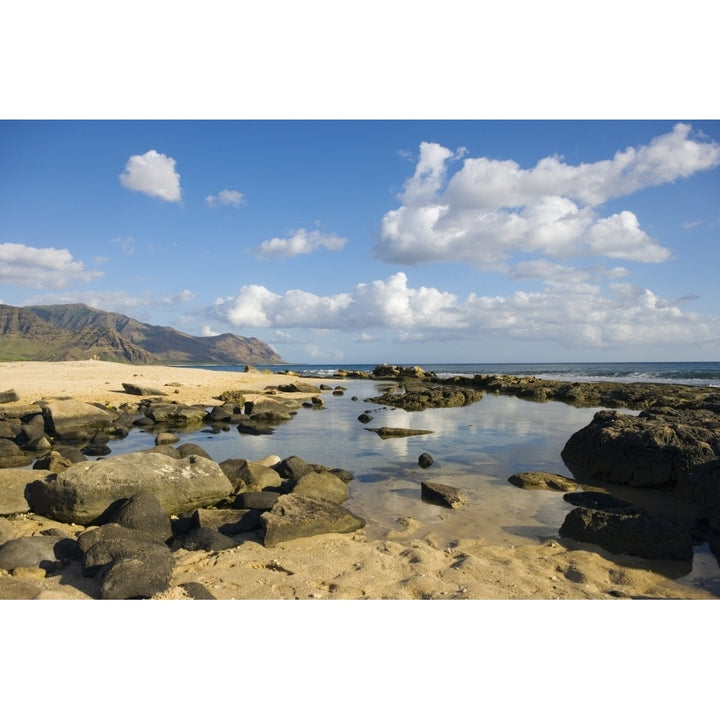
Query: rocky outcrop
point(64, 416)
point(420, 397)
point(663, 448)
point(87, 492)
point(632, 533)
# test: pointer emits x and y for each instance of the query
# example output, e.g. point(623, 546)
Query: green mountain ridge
point(80, 332)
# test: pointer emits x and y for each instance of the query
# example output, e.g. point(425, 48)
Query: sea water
point(475, 448)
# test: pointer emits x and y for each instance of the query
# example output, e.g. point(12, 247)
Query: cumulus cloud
point(490, 209)
point(301, 242)
point(573, 312)
point(41, 267)
point(233, 198)
point(153, 174)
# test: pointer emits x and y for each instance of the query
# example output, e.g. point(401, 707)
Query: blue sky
point(374, 241)
point(344, 186)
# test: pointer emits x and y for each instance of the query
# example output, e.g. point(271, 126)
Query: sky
point(377, 240)
point(443, 198)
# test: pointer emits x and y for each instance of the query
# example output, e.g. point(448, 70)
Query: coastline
point(400, 566)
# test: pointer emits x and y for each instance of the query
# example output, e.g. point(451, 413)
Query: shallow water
point(475, 448)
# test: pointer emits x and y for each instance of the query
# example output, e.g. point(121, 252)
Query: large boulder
point(86, 493)
point(11, 456)
point(295, 516)
point(538, 480)
point(247, 476)
point(655, 449)
point(127, 563)
point(631, 532)
point(64, 416)
point(445, 495)
point(47, 552)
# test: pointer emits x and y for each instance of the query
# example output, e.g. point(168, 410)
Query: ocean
point(685, 373)
point(475, 448)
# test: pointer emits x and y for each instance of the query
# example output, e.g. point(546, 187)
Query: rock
point(247, 476)
point(254, 426)
point(189, 449)
point(228, 521)
point(422, 397)
point(299, 387)
point(9, 428)
point(86, 492)
point(176, 415)
point(143, 511)
point(653, 449)
point(13, 484)
point(425, 460)
point(205, 538)
point(64, 416)
point(596, 501)
point(439, 494)
point(365, 417)
point(323, 485)
point(263, 500)
point(166, 438)
point(96, 450)
point(127, 563)
point(542, 481)
point(390, 432)
point(293, 468)
point(134, 389)
point(42, 551)
point(11, 456)
point(9, 396)
point(631, 533)
point(295, 516)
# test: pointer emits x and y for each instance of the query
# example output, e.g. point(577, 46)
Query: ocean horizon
point(700, 373)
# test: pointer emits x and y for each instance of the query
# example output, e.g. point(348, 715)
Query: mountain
point(79, 332)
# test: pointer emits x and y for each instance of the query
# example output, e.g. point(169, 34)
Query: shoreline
point(403, 565)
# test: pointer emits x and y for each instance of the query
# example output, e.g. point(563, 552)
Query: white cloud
point(113, 300)
point(41, 267)
point(153, 174)
point(301, 242)
point(233, 198)
point(490, 209)
point(570, 311)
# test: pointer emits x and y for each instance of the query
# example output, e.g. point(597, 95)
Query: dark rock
point(49, 553)
point(254, 426)
point(631, 533)
point(175, 414)
point(293, 468)
point(143, 511)
point(247, 476)
point(11, 456)
point(86, 492)
point(205, 538)
point(96, 450)
point(262, 500)
point(445, 495)
point(295, 516)
point(389, 432)
point(422, 397)
point(425, 460)
point(542, 481)
point(365, 417)
point(9, 396)
point(189, 449)
point(228, 521)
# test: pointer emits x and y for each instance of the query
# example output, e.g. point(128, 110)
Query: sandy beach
point(406, 564)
